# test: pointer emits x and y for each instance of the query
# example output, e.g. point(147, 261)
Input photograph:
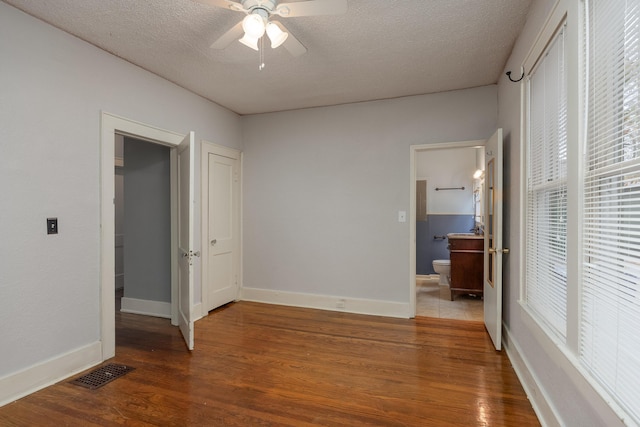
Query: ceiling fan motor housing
point(263, 13)
point(251, 6)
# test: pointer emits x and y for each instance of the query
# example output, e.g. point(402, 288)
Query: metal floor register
point(101, 376)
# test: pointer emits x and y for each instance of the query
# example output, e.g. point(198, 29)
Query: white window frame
point(556, 20)
point(565, 353)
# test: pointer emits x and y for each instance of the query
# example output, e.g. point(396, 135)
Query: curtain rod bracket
point(521, 76)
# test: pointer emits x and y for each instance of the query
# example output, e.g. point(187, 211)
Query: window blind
point(610, 309)
point(546, 221)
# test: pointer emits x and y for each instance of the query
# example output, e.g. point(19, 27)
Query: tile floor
point(433, 300)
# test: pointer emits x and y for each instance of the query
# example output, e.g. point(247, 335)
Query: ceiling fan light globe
point(249, 41)
point(276, 35)
point(253, 25)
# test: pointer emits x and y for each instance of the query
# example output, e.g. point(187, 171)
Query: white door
point(221, 193)
point(493, 250)
point(186, 199)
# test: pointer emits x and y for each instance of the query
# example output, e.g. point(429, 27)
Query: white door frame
point(413, 150)
point(184, 220)
point(110, 126)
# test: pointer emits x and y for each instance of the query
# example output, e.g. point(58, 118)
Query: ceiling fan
point(258, 21)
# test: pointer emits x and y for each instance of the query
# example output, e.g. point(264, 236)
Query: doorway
point(111, 126)
point(143, 225)
point(449, 208)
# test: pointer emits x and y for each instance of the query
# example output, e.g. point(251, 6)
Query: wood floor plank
point(266, 365)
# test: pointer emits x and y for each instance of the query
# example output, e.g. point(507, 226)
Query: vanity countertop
point(465, 236)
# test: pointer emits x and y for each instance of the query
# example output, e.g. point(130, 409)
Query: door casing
point(110, 126)
point(414, 149)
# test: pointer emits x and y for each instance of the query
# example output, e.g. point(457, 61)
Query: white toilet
point(443, 268)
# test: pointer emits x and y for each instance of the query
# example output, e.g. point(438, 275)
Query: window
point(610, 296)
point(546, 216)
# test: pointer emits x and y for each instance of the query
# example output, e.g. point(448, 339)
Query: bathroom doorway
point(444, 198)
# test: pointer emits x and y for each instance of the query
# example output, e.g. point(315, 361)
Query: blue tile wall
point(428, 248)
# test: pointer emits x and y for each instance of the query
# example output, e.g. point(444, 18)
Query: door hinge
point(189, 255)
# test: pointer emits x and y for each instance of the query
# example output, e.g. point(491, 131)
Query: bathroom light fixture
point(479, 163)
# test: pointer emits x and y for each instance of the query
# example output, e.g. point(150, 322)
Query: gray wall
point(147, 221)
point(54, 88)
point(323, 187)
point(428, 248)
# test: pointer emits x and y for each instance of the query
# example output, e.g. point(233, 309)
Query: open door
point(186, 199)
point(493, 250)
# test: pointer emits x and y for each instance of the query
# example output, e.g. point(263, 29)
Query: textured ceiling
point(379, 49)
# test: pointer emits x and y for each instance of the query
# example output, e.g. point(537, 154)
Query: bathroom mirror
point(421, 200)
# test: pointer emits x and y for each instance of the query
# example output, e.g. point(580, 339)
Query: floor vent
point(101, 376)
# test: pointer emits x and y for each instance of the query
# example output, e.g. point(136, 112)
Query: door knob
point(213, 242)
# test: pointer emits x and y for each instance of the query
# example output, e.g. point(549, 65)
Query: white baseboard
point(327, 302)
point(603, 408)
point(196, 312)
point(146, 307)
point(42, 375)
point(538, 398)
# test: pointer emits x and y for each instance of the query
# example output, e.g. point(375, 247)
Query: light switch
point(402, 216)
point(52, 225)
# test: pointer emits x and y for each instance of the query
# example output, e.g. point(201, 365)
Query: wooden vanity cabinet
point(467, 262)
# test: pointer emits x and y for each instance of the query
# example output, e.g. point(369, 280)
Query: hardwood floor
point(266, 365)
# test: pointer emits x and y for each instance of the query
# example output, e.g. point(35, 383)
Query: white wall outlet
point(402, 216)
point(340, 303)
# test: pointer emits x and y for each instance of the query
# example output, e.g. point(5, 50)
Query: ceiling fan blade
point(230, 36)
point(311, 8)
point(225, 4)
point(292, 44)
